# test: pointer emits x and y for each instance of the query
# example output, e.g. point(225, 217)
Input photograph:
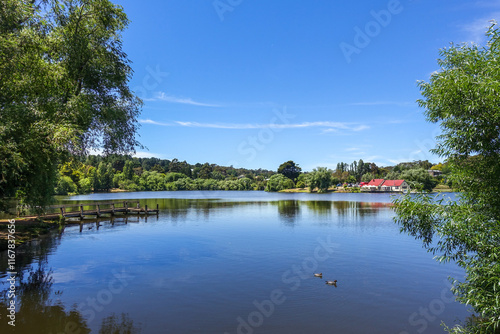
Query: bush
point(129, 185)
point(65, 186)
point(85, 186)
point(172, 177)
point(279, 182)
point(301, 185)
point(320, 178)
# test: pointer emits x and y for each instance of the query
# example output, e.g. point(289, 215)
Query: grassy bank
point(441, 188)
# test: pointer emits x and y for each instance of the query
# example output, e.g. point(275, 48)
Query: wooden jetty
point(98, 209)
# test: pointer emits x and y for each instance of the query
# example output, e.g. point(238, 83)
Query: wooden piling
point(81, 212)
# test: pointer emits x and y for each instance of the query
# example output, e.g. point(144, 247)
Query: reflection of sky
point(71, 273)
point(208, 264)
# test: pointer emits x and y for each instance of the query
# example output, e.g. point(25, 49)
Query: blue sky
point(254, 83)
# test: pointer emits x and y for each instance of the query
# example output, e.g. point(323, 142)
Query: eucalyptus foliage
point(464, 98)
point(279, 182)
point(63, 89)
point(320, 178)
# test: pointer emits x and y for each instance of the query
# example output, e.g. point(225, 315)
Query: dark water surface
point(237, 262)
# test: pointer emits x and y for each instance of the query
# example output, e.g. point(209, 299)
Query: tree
point(419, 179)
point(128, 170)
point(290, 170)
point(279, 182)
point(205, 171)
point(65, 186)
point(351, 179)
point(464, 98)
point(439, 166)
point(320, 178)
point(105, 176)
point(63, 89)
point(367, 177)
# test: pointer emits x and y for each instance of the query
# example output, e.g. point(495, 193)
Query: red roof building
point(393, 183)
point(375, 183)
point(387, 185)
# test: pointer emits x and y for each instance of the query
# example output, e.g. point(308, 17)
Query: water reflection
point(118, 325)
point(31, 252)
point(288, 211)
point(38, 313)
point(178, 209)
point(345, 208)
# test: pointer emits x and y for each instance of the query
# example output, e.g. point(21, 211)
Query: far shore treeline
point(95, 173)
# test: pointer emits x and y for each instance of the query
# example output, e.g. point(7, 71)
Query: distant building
point(373, 185)
point(434, 173)
point(381, 185)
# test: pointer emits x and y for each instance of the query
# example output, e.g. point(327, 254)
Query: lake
point(235, 262)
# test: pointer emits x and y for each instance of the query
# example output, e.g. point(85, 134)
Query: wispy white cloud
point(331, 126)
point(397, 161)
point(475, 30)
point(396, 121)
point(149, 121)
point(161, 96)
point(488, 4)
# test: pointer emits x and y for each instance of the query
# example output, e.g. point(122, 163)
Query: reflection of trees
point(288, 210)
point(345, 208)
point(25, 254)
point(321, 208)
point(36, 313)
point(179, 208)
point(118, 325)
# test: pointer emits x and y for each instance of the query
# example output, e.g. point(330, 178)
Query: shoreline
point(348, 191)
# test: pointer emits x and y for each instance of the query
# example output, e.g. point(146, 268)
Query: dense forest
point(96, 173)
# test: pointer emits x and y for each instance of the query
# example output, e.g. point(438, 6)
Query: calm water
point(237, 262)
